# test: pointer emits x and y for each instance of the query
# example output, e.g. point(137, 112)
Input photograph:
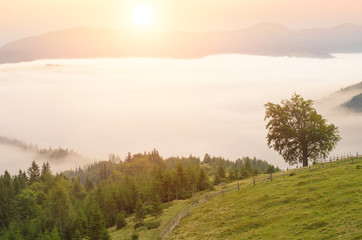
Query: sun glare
point(142, 15)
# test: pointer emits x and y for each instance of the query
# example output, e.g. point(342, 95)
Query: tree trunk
point(305, 157)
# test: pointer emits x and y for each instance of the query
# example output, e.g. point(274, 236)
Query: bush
point(137, 225)
point(152, 225)
point(134, 236)
point(292, 174)
point(245, 174)
point(358, 167)
point(121, 220)
point(270, 169)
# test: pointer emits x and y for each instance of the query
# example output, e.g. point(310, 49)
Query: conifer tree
point(139, 211)
point(121, 220)
point(156, 209)
point(221, 170)
point(34, 172)
point(203, 180)
point(95, 222)
point(77, 189)
point(59, 207)
point(217, 178)
point(88, 184)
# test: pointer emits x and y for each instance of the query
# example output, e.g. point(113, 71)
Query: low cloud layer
point(180, 107)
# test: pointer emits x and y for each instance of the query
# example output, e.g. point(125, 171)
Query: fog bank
point(211, 105)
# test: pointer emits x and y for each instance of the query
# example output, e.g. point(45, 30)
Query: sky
point(22, 18)
point(180, 107)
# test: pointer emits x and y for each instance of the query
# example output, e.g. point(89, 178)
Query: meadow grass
point(324, 203)
point(169, 211)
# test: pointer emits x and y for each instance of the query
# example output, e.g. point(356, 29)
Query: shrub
point(151, 225)
point(137, 225)
point(134, 236)
point(245, 174)
point(121, 220)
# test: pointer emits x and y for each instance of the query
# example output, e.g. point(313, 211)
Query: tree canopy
point(298, 132)
point(83, 203)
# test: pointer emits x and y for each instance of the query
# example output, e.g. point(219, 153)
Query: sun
point(142, 15)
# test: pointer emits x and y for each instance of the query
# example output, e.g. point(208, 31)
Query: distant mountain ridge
point(265, 39)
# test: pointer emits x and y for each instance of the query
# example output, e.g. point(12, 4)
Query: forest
point(37, 204)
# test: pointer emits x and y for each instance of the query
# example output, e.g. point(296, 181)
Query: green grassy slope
point(321, 204)
point(170, 210)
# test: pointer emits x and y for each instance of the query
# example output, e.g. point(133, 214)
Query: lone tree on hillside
point(298, 132)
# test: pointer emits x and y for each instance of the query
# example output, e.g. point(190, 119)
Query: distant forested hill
point(355, 104)
point(265, 39)
point(348, 98)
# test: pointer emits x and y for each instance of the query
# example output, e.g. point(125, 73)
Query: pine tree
point(203, 181)
point(88, 184)
point(45, 170)
point(139, 211)
point(77, 189)
point(95, 222)
point(110, 208)
point(34, 172)
point(25, 205)
point(121, 220)
point(13, 233)
point(221, 170)
point(59, 206)
point(180, 181)
point(128, 158)
point(156, 209)
point(6, 196)
point(217, 178)
point(105, 235)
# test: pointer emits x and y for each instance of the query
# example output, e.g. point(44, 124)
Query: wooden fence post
point(254, 180)
point(238, 186)
point(271, 176)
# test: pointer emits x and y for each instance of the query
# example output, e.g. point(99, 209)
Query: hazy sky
point(210, 105)
point(21, 18)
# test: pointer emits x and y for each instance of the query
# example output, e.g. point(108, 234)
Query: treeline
point(51, 153)
point(82, 204)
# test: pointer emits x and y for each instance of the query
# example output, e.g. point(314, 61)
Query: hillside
point(20, 154)
point(355, 104)
point(322, 204)
point(347, 98)
point(265, 39)
point(354, 101)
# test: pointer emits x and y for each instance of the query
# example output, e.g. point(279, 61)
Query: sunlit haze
point(180, 119)
point(142, 15)
point(21, 18)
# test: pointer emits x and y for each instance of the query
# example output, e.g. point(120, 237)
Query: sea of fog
point(180, 107)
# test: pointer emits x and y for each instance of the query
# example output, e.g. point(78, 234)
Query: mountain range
point(265, 39)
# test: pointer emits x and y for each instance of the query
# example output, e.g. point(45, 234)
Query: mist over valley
point(180, 107)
